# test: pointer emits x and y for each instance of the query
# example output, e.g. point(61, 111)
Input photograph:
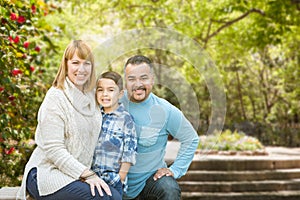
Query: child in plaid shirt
point(117, 143)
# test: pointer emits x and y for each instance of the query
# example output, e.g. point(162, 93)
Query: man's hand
point(162, 172)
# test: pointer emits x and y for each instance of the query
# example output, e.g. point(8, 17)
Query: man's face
point(139, 81)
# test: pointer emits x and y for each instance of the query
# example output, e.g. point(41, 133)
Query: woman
point(68, 126)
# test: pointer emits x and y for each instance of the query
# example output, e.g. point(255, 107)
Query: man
point(155, 119)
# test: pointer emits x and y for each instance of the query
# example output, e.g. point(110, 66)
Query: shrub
point(24, 44)
point(230, 141)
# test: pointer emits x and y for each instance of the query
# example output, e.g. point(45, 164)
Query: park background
point(254, 44)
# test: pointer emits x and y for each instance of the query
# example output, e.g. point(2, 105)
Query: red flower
point(10, 151)
point(13, 16)
point(21, 19)
point(33, 9)
point(11, 98)
point(16, 71)
point(1, 88)
point(26, 44)
point(3, 21)
point(31, 68)
point(14, 40)
point(37, 48)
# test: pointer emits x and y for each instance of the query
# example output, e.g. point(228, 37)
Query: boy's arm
point(124, 170)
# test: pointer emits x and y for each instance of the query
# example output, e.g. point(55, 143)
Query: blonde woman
point(67, 131)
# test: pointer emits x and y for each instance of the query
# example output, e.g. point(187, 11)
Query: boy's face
point(108, 94)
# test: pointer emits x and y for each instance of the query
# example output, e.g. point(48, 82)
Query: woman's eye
point(87, 63)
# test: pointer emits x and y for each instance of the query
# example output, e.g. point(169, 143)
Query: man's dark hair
point(138, 59)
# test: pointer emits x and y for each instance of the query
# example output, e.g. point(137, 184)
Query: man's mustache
point(139, 88)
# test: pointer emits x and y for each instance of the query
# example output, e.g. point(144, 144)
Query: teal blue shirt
point(155, 118)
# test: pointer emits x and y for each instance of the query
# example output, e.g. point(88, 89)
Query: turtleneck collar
point(84, 103)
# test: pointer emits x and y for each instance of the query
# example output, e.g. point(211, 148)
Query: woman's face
point(79, 71)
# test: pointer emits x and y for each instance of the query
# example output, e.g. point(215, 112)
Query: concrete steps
point(269, 177)
point(203, 175)
point(281, 195)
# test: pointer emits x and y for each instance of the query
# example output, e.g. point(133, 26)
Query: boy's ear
point(121, 94)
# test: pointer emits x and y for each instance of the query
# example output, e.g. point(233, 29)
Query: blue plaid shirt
point(117, 143)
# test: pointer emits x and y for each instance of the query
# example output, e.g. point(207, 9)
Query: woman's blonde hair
point(83, 51)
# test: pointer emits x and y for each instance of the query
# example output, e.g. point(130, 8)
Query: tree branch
point(253, 10)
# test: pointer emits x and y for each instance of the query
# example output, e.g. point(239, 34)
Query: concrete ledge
point(8, 193)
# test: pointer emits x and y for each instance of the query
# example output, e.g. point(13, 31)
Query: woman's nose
point(81, 67)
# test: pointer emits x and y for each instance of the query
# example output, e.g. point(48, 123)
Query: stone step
point(240, 186)
point(204, 175)
point(281, 195)
point(10, 193)
point(244, 163)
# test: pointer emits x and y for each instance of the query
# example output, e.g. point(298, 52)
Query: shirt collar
point(117, 112)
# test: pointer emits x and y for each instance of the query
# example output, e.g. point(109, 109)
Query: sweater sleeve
point(51, 137)
point(181, 129)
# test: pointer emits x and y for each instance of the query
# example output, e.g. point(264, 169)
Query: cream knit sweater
point(68, 126)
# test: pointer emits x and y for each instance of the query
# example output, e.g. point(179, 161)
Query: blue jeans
point(165, 188)
point(119, 187)
point(76, 190)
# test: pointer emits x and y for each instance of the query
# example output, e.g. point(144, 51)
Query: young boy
point(116, 147)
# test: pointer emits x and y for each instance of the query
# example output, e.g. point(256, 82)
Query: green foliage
point(24, 44)
point(230, 141)
point(255, 45)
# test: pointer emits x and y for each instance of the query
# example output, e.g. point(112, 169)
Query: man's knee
point(169, 188)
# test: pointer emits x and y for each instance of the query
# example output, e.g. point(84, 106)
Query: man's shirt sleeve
point(181, 129)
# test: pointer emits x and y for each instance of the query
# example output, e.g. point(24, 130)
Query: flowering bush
point(230, 141)
point(24, 42)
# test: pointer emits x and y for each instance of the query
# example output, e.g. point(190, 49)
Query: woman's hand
point(95, 181)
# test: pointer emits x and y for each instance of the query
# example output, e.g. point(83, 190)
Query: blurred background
point(253, 44)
